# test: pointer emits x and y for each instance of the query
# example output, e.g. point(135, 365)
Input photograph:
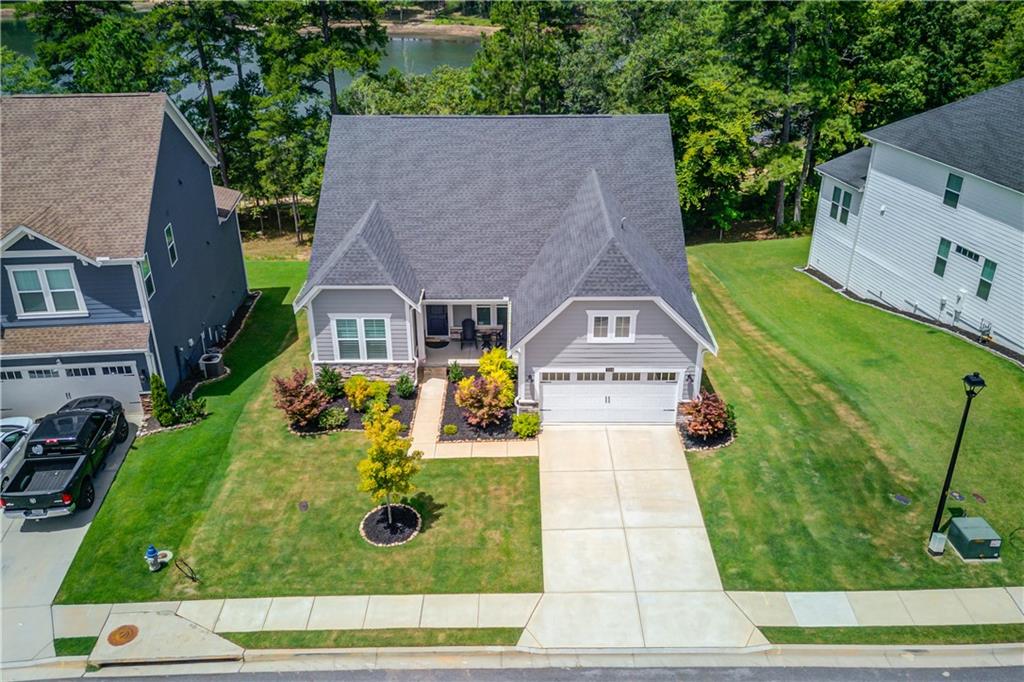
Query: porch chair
point(468, 333)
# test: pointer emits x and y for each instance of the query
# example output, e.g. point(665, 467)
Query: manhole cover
point(122, 635)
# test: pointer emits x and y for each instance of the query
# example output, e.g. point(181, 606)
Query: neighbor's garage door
point(36, 391)
point(614, 397)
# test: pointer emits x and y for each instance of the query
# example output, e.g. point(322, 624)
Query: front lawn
point(351, 639)
point(224, 496)
point(841, 406)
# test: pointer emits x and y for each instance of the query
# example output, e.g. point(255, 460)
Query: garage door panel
point(608, 401)
point(37, 391)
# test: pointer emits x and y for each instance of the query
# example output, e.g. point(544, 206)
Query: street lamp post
point(973, 385)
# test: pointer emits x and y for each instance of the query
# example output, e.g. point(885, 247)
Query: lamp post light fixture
point(973, 385)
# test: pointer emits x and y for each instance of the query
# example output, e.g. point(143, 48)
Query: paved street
point(35, 555)
point(627, 561)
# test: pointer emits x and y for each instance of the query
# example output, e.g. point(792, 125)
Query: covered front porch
point(461, 330)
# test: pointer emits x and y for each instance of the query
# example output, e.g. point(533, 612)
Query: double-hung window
point(147, 277)
point(611, 326)
point(841, 200)
point(951, 197)
point(362, 338)
point(46, 291)
point(941, 257)
point(172, 250)
point(988, 273)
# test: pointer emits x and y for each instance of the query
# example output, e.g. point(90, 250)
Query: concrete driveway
point(627, 562)
point(34, 557)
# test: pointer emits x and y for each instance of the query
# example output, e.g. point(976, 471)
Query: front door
point(437, 320)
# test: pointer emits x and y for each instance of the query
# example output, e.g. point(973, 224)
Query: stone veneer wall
point(388, 371)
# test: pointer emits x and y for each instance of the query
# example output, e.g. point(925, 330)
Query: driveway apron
point(627, 561)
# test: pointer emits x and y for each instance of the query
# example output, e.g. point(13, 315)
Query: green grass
point(74, 646)
point(840, 405)
point(224, 496)
point(947, 634)
point(351, 639)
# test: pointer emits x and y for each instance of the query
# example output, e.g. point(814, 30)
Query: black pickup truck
point(61, 458)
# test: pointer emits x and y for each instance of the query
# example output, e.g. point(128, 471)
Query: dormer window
point(611, 326)
point(46, 291)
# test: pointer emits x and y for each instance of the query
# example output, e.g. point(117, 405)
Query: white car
point(14, 432)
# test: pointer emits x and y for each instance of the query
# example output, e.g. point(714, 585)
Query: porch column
point(421, 336)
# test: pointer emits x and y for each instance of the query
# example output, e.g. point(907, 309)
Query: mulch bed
point(713, 443)
point(452, 414)
point(959, 331)
point(355, 419)
point(405, 524)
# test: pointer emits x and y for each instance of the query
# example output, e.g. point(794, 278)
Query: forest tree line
point(757, 92)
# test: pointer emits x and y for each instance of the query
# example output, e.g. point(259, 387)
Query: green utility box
point(973, 538)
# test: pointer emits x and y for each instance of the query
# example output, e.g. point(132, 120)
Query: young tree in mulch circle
point(389, 466)
point(709, 417)
point(299, 399)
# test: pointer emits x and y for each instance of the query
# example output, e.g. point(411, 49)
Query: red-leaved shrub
point(709, 416)
point(299, 399)
point(481, 401)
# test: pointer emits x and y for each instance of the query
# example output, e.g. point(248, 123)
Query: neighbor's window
point(172, 250)
point(613, 326)
point(941, 257)
point(967, 253)
point(988, 273)
point(954, 183)
point(841, 201)
point(362, 338)
point(45, 291)
point(147, 277)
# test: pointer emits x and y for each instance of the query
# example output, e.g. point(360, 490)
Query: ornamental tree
point(389, 466)
point(299, 399)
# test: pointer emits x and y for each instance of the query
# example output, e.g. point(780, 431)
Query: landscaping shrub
point(709, 416)
point(404, 387)
point(359, 390)
point(481, 401)
point(161, 402)
point(378, 404)
point(380, 390)
point(330, 381)
point(299, 399)
point(526, 425)
point(187, 410)
point(332, 418)
point(455, 373)
point(450, 429)
point(497, 361)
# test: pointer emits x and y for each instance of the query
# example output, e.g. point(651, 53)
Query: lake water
point(405, 53)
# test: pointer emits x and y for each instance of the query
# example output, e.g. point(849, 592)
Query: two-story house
point(929, 219)
point(557, 237)
point(120, 258)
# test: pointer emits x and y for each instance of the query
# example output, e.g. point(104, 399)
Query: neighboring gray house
point(560, 233)
point(120, 258)
point(930, 218)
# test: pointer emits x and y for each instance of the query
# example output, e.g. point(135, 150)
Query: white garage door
point(623, 397)
point(36, 391)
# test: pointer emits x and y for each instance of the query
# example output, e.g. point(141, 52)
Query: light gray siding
point(832, 241)
point(359, 302)
point(660, 342)
point(902, 220)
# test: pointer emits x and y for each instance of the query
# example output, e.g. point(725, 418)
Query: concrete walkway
point(427, 425)
point(627, 561)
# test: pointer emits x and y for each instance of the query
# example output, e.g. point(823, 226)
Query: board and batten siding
point(660, 342)
point(902, 220)
point(109, 292)
point(358, 302)
point(832, 241)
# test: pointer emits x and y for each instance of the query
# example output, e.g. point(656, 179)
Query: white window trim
point(170, 244)
point(47, 297)
point(145, 261)
point(361, 336)
point(611, 315)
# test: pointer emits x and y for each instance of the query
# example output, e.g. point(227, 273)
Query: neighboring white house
point(930, 218)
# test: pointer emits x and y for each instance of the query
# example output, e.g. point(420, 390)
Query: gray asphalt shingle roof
point(471, 202)
point(850, 168)
point(980, 134)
